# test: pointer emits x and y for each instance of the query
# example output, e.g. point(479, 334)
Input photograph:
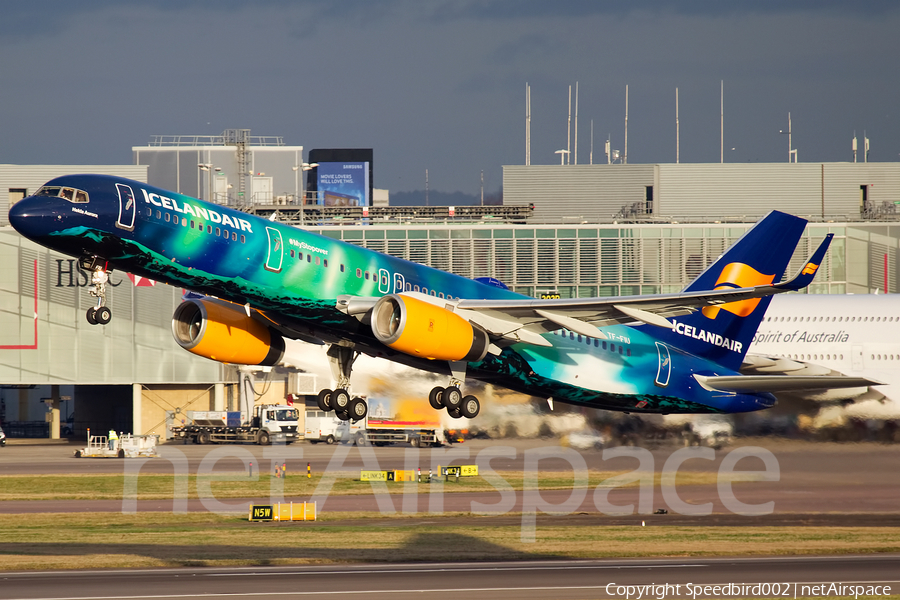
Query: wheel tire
point(121, 453)
point(340, 400)
point(435, 398)
point(452, 397)
point(470, 407)
point(263, 438)
point(329, 440)
point(324, 400)
point(361, 439)
point(103, 315)
point(91, 315)
point(77, 453)
point(358, 409)
point(456, 413)
point(203, 437)
point(414, 441)
point(313, 441)
point(342, 415)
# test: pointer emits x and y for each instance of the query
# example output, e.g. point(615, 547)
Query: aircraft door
point(275, 254)
point(856, 355)
point(664, 370)
point(399, 283)
point(127, 207)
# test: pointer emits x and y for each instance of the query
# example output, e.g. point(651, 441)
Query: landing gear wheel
point(324, 400)
point(358, 409)
point(91, 315)
point(470, 407)
point(340, 401)
point(435, 398)
point(103, 315)
point(456, 413)
point(452, 397)
point(343, 415)
point(263, 439)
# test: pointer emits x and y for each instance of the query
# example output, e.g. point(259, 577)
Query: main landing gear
point(345, 408)
point(452, 398)
point(100, 314)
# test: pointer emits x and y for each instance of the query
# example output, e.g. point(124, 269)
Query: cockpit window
point(70, 194)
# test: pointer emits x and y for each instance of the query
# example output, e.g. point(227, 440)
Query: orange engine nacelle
point(422, 329)
point(224, 332)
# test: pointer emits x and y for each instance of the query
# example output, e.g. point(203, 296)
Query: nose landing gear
point(100, 314)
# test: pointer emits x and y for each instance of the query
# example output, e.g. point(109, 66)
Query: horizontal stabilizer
point(780, 383)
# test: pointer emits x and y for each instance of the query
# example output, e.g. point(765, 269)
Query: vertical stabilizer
point(723, 333)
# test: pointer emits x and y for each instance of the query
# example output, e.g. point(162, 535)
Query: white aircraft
point(827, 334)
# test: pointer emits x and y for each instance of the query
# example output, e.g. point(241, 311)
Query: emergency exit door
point(664, 369)
point(275, 254)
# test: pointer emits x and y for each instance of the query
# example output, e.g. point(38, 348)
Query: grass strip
point(114, 540)
point(155, 486)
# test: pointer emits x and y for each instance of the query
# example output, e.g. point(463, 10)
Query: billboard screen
point(343, 183)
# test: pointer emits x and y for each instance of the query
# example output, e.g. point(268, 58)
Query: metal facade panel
point(591, 193)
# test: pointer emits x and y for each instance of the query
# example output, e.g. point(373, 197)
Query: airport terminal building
point(589, 230)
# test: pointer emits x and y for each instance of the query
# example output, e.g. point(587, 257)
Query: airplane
point(831, 334)
point(255, 282)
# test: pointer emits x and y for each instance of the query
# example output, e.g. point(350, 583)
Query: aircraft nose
point(31, 217)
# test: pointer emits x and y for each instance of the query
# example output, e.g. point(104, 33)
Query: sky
point(440, 86)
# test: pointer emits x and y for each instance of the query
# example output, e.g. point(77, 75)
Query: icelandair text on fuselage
point(196, 211)
point(706, 336)
point(745, 590)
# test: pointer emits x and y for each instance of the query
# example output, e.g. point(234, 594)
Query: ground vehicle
point(401, 421)
point(321, 426)
point(270, 423)
point(2, 437)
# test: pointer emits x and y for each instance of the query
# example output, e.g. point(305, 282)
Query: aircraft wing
point(523, 320)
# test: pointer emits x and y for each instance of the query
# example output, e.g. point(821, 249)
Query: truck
point(321, 426)
point(269, 423)
point(390, 422)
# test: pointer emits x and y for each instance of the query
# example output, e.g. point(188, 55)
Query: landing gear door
point(127, 208)
point(275, 255)
point(664, 370)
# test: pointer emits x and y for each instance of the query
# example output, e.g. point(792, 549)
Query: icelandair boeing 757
point(256, 282)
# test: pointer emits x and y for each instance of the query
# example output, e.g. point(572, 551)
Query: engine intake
point(223, 332)
point(425, 330)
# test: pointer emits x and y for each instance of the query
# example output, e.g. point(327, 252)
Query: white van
point(2, 437)
point(321, 426)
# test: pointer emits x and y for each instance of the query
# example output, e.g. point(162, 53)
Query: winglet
point(806, 275)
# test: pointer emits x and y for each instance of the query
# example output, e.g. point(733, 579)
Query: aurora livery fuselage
point(264, 281)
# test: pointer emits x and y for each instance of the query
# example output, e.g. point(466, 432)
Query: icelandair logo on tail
point(738, 275)
point(810, 269)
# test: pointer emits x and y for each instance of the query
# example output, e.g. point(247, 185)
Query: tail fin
point(723, 333)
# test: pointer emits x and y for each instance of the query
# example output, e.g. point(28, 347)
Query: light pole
point(298, 186)
point(209, 168)
point(792, 154)
point(562, 155)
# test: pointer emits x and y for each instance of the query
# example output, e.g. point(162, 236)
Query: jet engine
point(425, 330)
point(223, 332)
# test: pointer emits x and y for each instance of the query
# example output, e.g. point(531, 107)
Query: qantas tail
point(723, 333)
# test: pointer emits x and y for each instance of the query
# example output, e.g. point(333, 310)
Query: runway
point(687, 578)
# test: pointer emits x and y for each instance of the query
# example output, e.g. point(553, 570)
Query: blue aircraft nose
point(31, 217)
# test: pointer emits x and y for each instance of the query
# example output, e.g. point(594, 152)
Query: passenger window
point(342, 268)
point(326, 263)
point(233, 236)
point(292, 253)
point(367, 275)
point(425, 290)
point(218, 230)
point(441, 295)
point(183, 221)
point(168, 217)
point(415, 288)
point(317, 260)
point(243, 239)
point(359, 272)
point(309, 259)
point(192, 224)
point(158, 215)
